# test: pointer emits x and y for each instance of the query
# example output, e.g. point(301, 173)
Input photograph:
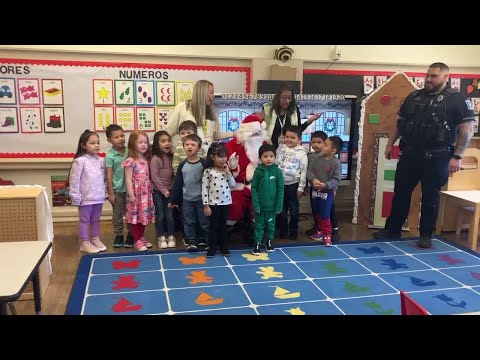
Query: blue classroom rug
point(352, 278)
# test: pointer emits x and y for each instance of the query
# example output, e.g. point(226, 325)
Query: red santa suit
point(243, 159)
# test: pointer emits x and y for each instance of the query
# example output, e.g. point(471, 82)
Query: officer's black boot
point(425, 241)
point(386, 234)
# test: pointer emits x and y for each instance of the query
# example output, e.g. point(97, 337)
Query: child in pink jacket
point(88, 190)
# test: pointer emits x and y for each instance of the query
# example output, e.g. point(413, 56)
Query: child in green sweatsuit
point(267, 197)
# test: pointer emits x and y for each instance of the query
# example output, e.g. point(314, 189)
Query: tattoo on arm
point(464, 134)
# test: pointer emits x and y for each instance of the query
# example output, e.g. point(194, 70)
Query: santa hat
point(252, 124)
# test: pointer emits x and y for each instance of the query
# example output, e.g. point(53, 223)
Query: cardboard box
point(278, 72)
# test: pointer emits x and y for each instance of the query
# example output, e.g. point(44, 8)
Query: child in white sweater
point(292, 160)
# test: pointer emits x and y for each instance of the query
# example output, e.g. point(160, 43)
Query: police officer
point(431, 122)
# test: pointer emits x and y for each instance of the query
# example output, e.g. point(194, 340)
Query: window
point(230, 119)
point(331, 122)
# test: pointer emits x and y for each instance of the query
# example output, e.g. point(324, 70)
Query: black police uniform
point(427, 127)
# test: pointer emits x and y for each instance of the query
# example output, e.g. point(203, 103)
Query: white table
point(19, 262)
point(462, 198)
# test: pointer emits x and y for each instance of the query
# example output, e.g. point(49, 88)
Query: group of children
point(280, 180)
point(123, 178)
point(146, 183)
point(138, 180)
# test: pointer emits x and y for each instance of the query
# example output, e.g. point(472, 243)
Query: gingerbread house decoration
point(375, 177)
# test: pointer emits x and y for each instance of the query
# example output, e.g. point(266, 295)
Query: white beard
point(252, 144)
point(251, 148)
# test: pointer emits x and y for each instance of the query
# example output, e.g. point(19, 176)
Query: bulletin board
point(46, 104)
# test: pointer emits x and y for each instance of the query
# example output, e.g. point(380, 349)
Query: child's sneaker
point(147, 243)
point(118, 242)
point(98, 244)
point(269, 246)
point(171, 241)
point(327, 240)
point(192, 247)
point(140, 246)
point(129, 241)
point(162, 242)
point(224, 250)
point(256, 249)
point(335, 236)
point(317, 236)
point(88, 247)
point(211, 252)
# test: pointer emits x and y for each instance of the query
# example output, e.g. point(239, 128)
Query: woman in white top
point(200, 110)
point(282, 112)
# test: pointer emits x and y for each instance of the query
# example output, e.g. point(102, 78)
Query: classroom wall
point(414, 58)
point(456, 56)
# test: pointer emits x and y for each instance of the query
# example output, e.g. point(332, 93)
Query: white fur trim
point(239, 186)
point(252, 127)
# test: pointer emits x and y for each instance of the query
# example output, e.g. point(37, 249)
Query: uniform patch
point(469, 104)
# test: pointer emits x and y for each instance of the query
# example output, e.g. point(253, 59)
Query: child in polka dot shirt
point(217, 181)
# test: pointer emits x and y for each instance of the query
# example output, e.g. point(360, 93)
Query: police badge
point(469, 104)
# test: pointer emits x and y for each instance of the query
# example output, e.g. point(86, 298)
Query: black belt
point(425, 149)
point(428, 153)
point(433, 153)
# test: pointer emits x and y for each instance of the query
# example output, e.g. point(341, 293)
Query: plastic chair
point(410, 306)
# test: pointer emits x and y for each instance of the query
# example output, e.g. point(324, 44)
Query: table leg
point(473, 231)
point(3, 308)
point(37, 296)
point(441, 214)
point(11, 305)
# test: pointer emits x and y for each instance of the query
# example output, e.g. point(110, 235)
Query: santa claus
point(243, 159)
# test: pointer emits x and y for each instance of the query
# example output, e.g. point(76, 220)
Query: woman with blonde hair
point(201, 111)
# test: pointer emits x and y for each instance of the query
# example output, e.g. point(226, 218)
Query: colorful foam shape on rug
point(350, 278)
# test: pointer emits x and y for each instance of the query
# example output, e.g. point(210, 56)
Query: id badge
point(280, 140)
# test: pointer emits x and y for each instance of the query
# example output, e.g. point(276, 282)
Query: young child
point(292, 161)
point(140, 210)
point(325, 176)
point(88, 191)
point(317, 140)
point(187, 191)
point(117, 190)
point(217, 181)
point(162, 180)
point(267, 197)
point(185, 128)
